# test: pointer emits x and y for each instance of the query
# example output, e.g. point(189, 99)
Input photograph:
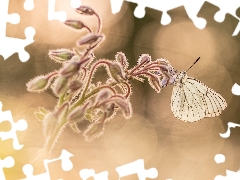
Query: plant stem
point(91, 94)
point(99, 22)
point(92, 72)
point(51, 140)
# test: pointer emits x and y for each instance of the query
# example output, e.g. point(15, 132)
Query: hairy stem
point(51, 140)
point(93, 92)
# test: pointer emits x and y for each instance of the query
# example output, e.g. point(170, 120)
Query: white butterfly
point(192, 100)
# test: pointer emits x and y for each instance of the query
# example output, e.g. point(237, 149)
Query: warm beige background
point(181, 151)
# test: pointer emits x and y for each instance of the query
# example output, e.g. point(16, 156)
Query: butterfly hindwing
point(215, 103)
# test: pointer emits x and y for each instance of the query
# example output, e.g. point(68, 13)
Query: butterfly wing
point(192, 100)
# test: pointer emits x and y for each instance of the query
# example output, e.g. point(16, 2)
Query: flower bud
point(144, 59)
point(155, 83)
point(125, 105)
point(89, 39)
point(110, 110)
point(103, 95)
point(163, 61)
point(60, 85)
point(85, 10)
point(93, 131)
point(74, 24)
point(61, 55)
point(70, 69)
point(38, 84)
point(121, 58)
point(77, 115)
point(75, 85)
point(116, 71)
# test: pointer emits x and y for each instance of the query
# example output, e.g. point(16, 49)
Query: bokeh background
point(178, 150)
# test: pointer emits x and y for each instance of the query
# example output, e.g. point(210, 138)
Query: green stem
point(61, 100)
point(99, 22)
point(50, 142)
point(78, 103)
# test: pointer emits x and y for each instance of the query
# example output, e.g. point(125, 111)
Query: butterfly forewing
point(192, 100)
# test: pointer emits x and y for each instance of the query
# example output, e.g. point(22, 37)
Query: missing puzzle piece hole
point(219, 158)
point(219, 16)
point(22, 125)
point(8, 162)
point(139, 12)
point(166, 19)
point(29, 5)
point(29, 33)
point(13, 18)
point(75, 3)
point(27, 169)
point(200, 23)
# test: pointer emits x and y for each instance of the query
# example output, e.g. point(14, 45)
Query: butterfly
point(192, 100)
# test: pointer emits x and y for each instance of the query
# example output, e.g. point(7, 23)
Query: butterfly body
point(192, 100)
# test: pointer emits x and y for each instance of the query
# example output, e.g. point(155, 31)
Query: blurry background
point(178, 150)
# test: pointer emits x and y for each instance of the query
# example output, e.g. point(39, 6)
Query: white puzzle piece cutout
point(20, 125)
point(66, 165)
point(7, 162)
point(137, 167)
point(9, 45)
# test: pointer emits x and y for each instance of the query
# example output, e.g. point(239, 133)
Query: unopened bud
point(75, 85)
point(121, 58)
point(125, 105)
point(116, 71)
point(61, 55)
point(38, 84)
point(60, 85)
point(163, 61)
point(155, 83)
point(85, 10)
point(77, 115)
point(144, 59)
point(74, 24)
point(110, 110)
point(93, 131)
point(103, 95)
point(90, 38)
point(70, 69)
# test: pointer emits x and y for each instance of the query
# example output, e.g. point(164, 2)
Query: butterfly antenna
point(193, 63)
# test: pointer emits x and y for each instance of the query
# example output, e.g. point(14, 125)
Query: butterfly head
point(181, 78)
